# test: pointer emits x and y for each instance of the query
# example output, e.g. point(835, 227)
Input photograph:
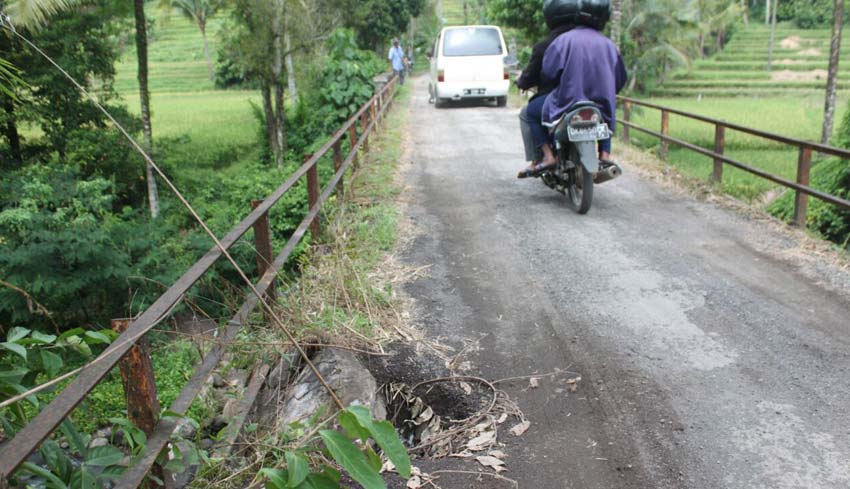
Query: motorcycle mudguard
point(588, 155)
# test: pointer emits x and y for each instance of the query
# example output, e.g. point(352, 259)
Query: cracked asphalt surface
point(705, 361)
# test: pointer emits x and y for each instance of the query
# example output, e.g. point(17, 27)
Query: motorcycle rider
point(530, 79)
point(585, 66)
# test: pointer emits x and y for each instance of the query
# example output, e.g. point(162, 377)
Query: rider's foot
point(536, 169)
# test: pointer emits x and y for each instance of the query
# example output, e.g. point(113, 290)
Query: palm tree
point(145, 100)
point(772, 35)
point(200, 12)
point(34, 14)
point(832, 79)
point(616, 15)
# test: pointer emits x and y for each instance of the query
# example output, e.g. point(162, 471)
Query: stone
point(351, 382)
point(98, 442)
point(217, 381)
point(237, 379)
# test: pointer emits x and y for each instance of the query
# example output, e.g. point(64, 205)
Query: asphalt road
point(706, 362)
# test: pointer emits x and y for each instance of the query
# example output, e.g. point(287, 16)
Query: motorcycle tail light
point(585, 116)
point(441, 76)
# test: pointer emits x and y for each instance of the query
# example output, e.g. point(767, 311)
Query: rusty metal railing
point(159, 432)
point(804, 161)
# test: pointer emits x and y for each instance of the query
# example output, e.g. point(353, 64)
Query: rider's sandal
point(536, 170)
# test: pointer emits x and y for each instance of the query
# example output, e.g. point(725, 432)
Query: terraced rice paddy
point(801, 59)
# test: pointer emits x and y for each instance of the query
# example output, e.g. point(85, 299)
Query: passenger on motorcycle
point(586, 67)
point(530, 80)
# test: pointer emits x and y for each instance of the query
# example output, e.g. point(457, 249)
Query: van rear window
point(472, 41)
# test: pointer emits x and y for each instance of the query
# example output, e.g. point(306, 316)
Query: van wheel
point(439, 102)
point(501, 101)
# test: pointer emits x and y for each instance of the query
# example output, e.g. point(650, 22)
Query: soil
point(788, 75)
point(792, 42)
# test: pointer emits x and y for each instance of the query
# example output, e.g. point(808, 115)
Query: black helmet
point(592, 13)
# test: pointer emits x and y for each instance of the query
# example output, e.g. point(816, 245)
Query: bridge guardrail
point(29, 438)
point(804, 161)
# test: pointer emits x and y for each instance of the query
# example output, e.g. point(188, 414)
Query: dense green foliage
point(376, 21)
point(807, 14)
point(833, 177)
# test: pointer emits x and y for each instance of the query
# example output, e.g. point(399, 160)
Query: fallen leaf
point(492, 462)
point(502, 418)
point(481, 441)
point(497, 454)
point(387, 467)
point(414, 482)
point(533, 383)
point(521, 428)
point(573, 383)
point(466, 388)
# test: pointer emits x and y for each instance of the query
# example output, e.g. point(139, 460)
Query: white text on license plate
point(589, 133)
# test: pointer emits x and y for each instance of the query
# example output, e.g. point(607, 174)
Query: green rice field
point(798, 117)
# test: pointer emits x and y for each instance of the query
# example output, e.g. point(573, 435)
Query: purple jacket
point(587, 68)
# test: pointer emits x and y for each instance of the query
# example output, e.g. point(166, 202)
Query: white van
point(468, 62)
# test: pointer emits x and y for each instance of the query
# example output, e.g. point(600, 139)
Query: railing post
point(363, 126)
point(313, 197)
point(337, 165)
point(801, 203)
point(373, 112)
point(627, 116)
point(139, 388)
point(263, 245)
point(665, 130)
point(719, 147)
point(352, 140)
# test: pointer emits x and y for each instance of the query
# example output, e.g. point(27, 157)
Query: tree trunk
point(832, 79)
point(772, 36)
point(203, 27)
point(144, 97)
point(12, 134)
point(766, 12)
point(745, 10)
point(276, 85)
point(268, 110)
point(290, 69)
point(616, 16)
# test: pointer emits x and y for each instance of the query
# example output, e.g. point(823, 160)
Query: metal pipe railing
point(804, 161)
point(27, 440)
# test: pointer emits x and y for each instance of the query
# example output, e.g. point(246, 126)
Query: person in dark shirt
point(530, 79)
point(586, 66)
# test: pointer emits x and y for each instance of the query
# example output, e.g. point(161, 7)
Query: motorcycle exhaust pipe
point(608, 173)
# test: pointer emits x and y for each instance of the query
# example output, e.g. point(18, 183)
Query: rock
point(237, 379)
point(231, 408)
point(217, 424)
point(98, 442)
point(104, 433)
point(186, 430)
point(353, 384)
point(217, 381)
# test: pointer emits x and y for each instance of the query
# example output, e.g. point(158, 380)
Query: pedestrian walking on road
point(398, 60)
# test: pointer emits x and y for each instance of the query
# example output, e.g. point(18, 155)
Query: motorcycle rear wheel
point(580, 189)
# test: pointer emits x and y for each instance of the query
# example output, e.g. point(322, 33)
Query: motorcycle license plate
point(594, 133)
point(474, 91)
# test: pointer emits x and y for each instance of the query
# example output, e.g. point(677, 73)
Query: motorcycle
point(577, 135)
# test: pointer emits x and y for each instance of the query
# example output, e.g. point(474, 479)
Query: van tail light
point(507, 74)
point(441, 75)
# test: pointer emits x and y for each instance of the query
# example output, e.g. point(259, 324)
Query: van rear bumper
point(472, 89)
